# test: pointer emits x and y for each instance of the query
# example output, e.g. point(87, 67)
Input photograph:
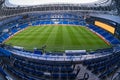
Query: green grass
point(57, 38)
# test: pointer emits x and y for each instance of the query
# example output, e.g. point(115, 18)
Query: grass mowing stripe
point(35, 41)
point(59, 38)
point(45, 34)
point(74, 39)
point(38, 39)
point(50, 42)
point(67, 40)
point(30, 37)
point(82, 36)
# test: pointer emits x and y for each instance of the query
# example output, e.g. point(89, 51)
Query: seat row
point(43, 68)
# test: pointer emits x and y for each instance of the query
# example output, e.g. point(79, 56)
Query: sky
point(39, 2)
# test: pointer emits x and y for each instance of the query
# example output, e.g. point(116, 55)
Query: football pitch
point(57, 38)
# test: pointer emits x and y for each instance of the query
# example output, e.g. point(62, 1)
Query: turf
point(57, 38)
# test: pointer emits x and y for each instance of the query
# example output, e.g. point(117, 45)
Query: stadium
point(59, 40)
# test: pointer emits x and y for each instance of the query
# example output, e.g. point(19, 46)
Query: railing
point(58, 57)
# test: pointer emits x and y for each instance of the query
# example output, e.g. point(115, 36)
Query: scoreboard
point(105, 26)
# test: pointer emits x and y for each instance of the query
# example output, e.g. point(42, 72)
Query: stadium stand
point(99, 66)
point(105, 34)
point(20, 64)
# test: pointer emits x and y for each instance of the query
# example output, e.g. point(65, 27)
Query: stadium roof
point(38, 2)
point(46, 2)
point(109, 17)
